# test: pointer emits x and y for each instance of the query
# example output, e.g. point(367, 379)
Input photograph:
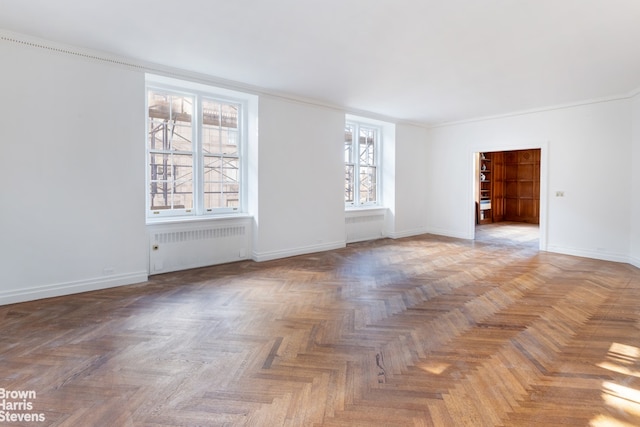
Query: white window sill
point(364, 209)
point(197, 219)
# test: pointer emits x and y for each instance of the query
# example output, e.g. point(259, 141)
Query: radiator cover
point(174, 247)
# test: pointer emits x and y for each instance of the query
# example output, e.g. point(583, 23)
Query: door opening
point(507, 193)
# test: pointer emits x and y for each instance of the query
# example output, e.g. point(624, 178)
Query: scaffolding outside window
point(193, 154)
point(361, 148)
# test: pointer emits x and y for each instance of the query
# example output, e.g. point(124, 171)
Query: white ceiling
point(426, 61)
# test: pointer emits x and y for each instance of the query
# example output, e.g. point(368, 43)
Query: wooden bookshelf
point(485, 211)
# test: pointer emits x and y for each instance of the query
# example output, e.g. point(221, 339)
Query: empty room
point(305, 213)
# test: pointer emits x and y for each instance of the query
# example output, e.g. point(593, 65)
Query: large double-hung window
point(361, 147)
point(194, 152)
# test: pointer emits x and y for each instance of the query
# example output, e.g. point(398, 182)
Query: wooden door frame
point(544, 185)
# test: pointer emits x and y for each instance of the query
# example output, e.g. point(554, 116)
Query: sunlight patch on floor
point(435, 368)
point(623, 359)
point(608, 421)
point(624, 400)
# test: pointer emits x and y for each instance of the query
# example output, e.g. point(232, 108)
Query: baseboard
point(603, 256)
point(408, 233)
point(271, 255)
point(635, 262)
point(68, 288)
point(448, 233)
point(364, 239)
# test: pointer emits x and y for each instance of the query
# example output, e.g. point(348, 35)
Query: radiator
point(365, 227)
point(182, 247)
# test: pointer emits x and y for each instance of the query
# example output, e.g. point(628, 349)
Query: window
point(194, 152)
point(361, 146)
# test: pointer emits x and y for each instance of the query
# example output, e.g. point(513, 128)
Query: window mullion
point(220, 156)
point(356, 164)
point(198, 160)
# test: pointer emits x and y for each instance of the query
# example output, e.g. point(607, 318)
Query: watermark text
point(18, 406)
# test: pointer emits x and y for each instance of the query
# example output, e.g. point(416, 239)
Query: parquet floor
point(421, 331)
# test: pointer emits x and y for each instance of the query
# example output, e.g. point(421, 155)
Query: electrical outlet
point(559, 193)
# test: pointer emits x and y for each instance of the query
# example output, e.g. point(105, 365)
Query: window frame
point(200, 93)
point(354, 162)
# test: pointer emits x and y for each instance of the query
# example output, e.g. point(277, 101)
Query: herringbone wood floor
point(422, 331)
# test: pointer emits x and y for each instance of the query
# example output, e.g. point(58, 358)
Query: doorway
point(507, 195)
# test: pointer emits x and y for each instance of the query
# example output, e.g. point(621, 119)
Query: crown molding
point(593, 101)
point(167, 71)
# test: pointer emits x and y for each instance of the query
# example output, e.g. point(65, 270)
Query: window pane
point(159, 166)
point(220, 127)
point(158, 135)
point(168, 136)
point(367, 184)
point(231, 199)
point(229, 116)
point(229, 142)
point(348, 144)
point(160, 195)
point(221, 187)
point(218, 195)
point(212, 195)
point(216, 113)
point(171, 195)
point(211, 113)
point(169, 166)
point(348, 148)
point(349, 167)
point(212, 169)
point(367, 146)
point(217, 140)
point(230, 169)
point(180, 136)
point(221, 169)
point(171, 181)
point(348, 187)
point(170, 121)
point(182, 167)
point(183, 195)
point(211, 140)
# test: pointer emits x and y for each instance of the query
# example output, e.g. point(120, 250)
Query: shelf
point(484, 214)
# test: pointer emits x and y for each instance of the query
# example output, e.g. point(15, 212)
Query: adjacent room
point(507, 194)
point(303, 213)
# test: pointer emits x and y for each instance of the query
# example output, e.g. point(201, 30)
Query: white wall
point(300, 179)
point(635, 183)
point(411, 174)
point(72, 201)
point(586, 154)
